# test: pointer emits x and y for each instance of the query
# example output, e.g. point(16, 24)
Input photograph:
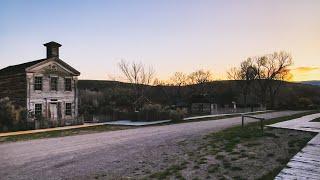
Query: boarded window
point(68, 109)
point(38, 83)
point(54, 83)
point(67, 84)
point(38, 110)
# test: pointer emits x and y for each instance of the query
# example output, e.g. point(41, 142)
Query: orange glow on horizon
point(305, 73)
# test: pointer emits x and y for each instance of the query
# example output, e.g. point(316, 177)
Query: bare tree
point(271, 71)
point(159, 82)
point(234, 73)
point(138, 75)
point(179, 79)
point(199, 80)
point(200, 76)
point(245, 75)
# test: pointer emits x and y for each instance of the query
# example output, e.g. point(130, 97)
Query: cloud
point(305, 69)
point(305, 73)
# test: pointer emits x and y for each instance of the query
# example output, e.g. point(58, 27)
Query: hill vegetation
point(102, 95)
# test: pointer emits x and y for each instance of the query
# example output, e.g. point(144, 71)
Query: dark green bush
point(12, 118)
point(177, 115)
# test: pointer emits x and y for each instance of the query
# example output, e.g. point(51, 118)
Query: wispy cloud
point(305, 73)
point(305, 69)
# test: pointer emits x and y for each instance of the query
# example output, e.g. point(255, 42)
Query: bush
point(177, 115)
point(149, 112)
point(304, 103)
point(11, 118)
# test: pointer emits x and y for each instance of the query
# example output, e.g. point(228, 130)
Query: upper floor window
point(67, 84)
point(68, 109)
point(54, 83)
point(38, 110)
point(38, 83)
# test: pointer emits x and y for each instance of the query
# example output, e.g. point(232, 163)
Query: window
point(54, 83)
point(67, 84)
point(38, 83)
point(38, 110)
point(68, 109)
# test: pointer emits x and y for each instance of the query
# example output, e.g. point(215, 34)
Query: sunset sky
point(170, 35)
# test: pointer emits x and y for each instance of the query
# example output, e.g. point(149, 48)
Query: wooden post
point(261, 124)
point(242, 121)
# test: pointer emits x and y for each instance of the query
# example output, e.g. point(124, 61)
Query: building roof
point(52, 43)
point(21, 68)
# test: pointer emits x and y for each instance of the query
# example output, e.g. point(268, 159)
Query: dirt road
point(124, 153)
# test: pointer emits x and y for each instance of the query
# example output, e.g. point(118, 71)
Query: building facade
point(46, 88)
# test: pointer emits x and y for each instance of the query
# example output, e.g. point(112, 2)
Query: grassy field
point(238, 153)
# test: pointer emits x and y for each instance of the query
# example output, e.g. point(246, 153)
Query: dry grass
point(237, 153)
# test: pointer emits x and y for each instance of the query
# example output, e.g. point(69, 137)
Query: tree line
point(260, 76)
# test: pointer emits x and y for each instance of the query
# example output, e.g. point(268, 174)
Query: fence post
point(242, 120)
point(261, 124)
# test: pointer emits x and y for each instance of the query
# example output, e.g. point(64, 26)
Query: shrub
point(177, 115)
point(11, 117)
point(304, 102)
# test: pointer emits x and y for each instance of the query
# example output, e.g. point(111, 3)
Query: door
point(54, 111)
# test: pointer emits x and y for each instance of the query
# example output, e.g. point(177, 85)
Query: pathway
point(50, 129)
point(305, 164)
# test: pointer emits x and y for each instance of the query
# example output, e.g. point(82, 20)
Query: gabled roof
point(21, 68)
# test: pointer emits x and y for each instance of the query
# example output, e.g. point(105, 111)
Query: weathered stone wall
point(14, 87)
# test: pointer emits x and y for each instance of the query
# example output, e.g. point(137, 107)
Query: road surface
point(112, 154)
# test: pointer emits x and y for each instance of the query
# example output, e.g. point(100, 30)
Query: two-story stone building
point(47, 88)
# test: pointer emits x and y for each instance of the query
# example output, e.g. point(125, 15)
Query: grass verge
point(316, 120)
point(61, 133)
point(212, 118)
point(239, 153)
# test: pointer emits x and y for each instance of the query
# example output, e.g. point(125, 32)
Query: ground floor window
point(38, 109)
point(68, 109)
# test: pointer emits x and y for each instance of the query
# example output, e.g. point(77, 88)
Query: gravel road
point(106, 155)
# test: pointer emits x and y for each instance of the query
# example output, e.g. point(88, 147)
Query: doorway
point(54, 111)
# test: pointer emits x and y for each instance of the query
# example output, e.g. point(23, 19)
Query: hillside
point(315, 83)
point(291, 95)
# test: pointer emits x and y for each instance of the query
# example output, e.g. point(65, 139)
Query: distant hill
point(315, 83)
point(291, 95)
point(100, 85)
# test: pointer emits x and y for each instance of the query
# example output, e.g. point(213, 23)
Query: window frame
point(37, 84)
point(56, 84)
point(37, 111)
point(69, 84)
point(68, 111)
